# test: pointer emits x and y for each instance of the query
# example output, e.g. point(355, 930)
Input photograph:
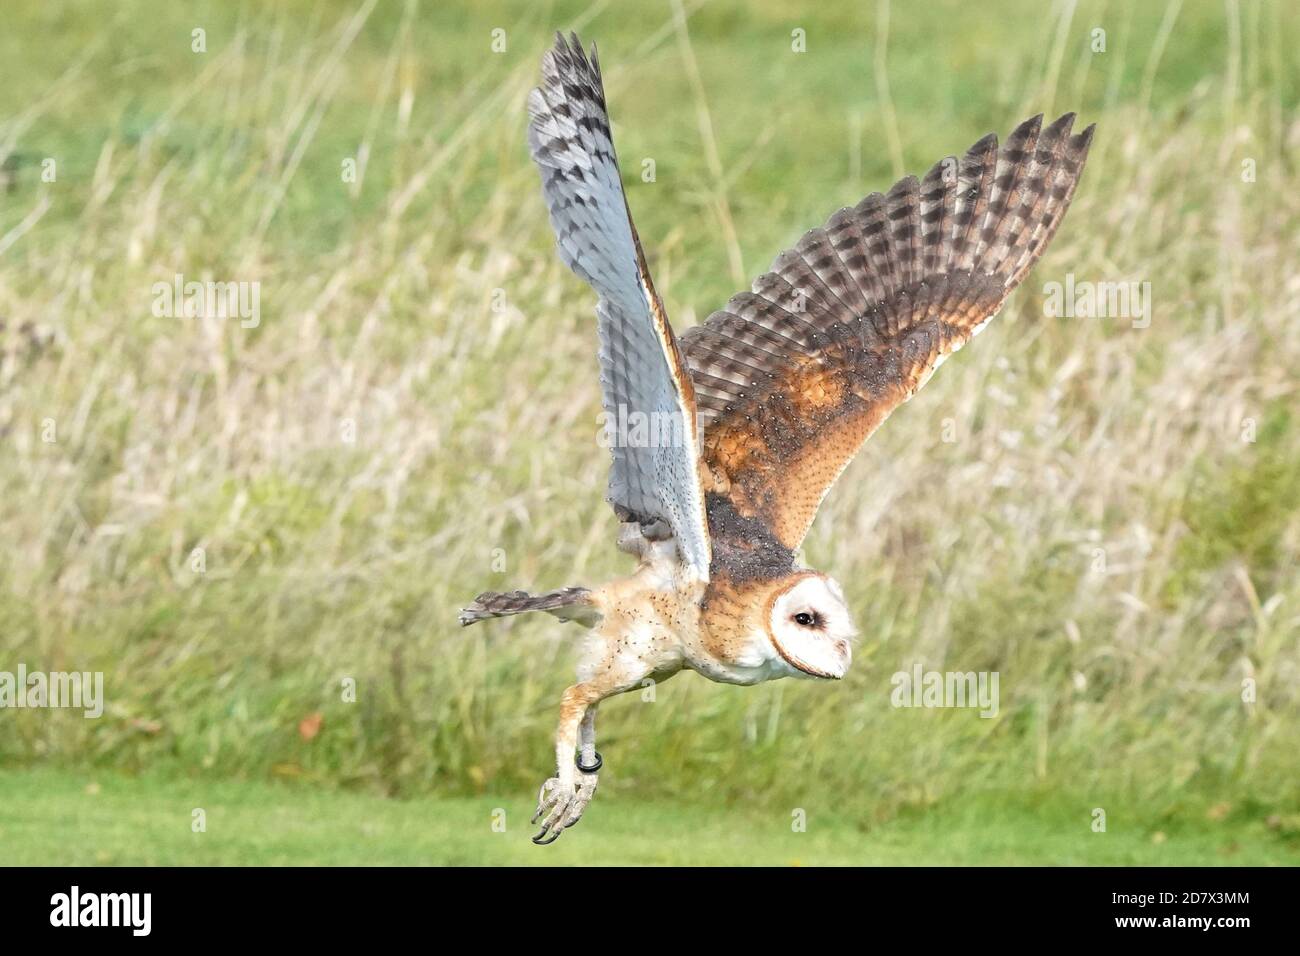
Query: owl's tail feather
point(568, 604)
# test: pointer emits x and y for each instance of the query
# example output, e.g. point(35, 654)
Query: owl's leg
point(589, 763)
point(587, 739)
point(558, 803)
point(617, 661)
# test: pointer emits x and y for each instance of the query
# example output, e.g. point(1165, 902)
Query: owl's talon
point(586, 790)
point(547, 841)
point(552, 805)
point(560, 805)
point(542, 803)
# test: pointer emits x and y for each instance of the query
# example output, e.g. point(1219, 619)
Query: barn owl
point(765, 403)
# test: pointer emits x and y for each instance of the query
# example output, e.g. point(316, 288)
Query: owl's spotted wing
point(792, 377)
point(647, 394)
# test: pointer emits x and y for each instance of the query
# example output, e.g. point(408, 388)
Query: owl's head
point(809, 624)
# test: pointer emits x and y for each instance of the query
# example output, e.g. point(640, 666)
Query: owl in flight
point(739, 427)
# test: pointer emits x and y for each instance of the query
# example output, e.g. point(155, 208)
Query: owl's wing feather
point(644, 382)
point(792, 377)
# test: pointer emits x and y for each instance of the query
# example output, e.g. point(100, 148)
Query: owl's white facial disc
point(811, 627)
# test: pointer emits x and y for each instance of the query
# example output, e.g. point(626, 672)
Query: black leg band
point(577, 759)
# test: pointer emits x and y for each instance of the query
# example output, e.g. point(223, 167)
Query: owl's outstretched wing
point(792, 377)
point(648, 398)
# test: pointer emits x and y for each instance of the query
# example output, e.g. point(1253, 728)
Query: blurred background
point(237, 521)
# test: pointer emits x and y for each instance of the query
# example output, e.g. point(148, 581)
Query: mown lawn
point(73, 818)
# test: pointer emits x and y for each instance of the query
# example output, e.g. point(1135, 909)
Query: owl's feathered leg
point(587, 756)
point(561, 801)
point(589, 763)
point(565, 796)
point(627, 647)
point(554, 800)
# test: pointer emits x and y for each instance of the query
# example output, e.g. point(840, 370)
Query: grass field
point(239, 523)
point(105, 819)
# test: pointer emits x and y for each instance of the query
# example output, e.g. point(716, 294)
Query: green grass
point(1108, 517)
point(106, 819)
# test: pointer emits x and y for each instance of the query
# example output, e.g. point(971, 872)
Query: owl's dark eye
point(804, 619)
